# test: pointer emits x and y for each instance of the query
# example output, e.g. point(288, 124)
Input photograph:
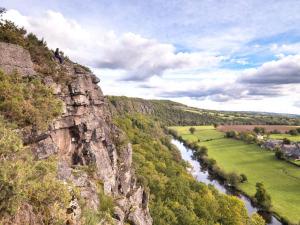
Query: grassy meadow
point(295, 138)
point(281, 179)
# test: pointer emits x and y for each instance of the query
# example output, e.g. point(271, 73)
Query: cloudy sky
point(215, 54)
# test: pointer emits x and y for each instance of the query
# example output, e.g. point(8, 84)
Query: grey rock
point(95, 79)
point(15, 58)
point(45, 148)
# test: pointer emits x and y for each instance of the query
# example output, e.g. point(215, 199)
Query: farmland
point(295, 138)
point(281, 179)
point(268, 128)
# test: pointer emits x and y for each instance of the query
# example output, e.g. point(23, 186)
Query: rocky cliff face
point(84, 136)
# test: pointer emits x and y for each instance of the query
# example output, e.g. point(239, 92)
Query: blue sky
point(217, 54)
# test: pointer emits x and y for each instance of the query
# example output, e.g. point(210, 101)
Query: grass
point(295, 138)
point(281, 179)
point(202, 133)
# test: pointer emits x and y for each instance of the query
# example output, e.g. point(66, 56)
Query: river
point(203, 176)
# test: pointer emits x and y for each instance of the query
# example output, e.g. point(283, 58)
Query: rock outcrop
point(85, 136)
point(15, 58)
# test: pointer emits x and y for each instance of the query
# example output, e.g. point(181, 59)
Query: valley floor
point(281, 179)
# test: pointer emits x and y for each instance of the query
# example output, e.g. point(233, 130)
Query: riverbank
point(281, 179)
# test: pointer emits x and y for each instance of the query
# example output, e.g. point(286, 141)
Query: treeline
point(200, 154)
point(175, 196)
point(175, 114)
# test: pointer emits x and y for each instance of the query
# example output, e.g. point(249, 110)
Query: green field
point(295, 138)
point(281, 179)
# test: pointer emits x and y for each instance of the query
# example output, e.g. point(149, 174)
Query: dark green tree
point(243, 178)
point(286, 141)
point(259, 130)
point(192, 130)
point(279, 154)
point(262, 197)
point(293, 132)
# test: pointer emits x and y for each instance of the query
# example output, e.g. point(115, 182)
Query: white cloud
point(272, 79)
point(140, 57)
point(286, 48)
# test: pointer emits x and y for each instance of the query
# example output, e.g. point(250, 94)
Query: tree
point(233, 179)
point(192, 130)
point(231, 134)
point(286, 141)
point(243, 178)
point(293, 132)
point(262, 197)
point(259, 130)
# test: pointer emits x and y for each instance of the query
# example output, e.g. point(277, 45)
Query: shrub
point(259, 130)
point(286, 141)
point(293, 132)
point(199, 152)
point(243, 178)
point(192, 130)
point(10, 33)
point(279, 154)
point(233, 179)
point(27, 101)
point(231, 134)
point(10, 142)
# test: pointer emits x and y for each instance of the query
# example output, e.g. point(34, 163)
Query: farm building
point(291, 151)
point(272, 144)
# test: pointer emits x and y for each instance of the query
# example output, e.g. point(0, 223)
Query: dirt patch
point(269, 128)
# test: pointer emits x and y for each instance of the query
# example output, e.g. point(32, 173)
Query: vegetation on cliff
point(27, 101)
point(26, 184)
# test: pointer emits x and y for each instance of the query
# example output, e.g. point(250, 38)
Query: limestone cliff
point(84, 136)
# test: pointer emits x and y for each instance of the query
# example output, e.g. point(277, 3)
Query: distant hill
point(174, 113)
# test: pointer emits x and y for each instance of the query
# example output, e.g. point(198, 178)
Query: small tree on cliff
point(192, 130)
point(262, 197)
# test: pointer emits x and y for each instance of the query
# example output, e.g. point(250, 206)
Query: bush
point(10, 142)
point(233, 179)
point(243, 178)
point(286, 141)
point(279, 154)
point(27, 101)
point(259, 130)
point(10, 33)
point(293, 132)
point(192, 130)
point(231, 134)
